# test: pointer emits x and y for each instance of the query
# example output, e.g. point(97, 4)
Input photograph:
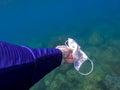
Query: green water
point(102, 44)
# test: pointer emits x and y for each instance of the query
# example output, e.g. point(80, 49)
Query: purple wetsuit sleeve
point(21, 66)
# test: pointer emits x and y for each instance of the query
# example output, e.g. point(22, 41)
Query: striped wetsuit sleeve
point(21, 66)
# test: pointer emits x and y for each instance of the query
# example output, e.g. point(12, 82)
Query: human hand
point(67, 54)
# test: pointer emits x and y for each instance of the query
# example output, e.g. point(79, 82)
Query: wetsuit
point(21, 66)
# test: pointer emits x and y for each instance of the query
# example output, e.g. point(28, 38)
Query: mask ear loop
point(66, 43)
point(92, 66)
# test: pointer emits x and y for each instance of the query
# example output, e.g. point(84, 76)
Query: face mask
point(78, 55)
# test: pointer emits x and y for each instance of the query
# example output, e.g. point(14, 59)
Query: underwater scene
point(94, 24)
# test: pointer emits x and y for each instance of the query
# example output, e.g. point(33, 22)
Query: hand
point(67, 54)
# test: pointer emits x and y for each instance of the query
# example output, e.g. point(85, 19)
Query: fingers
point(67, 53)
point(69, 59)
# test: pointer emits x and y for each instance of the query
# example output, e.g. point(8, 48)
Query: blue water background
point(46, 23)
point(26, 19)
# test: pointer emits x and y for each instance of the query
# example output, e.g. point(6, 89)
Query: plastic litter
point(78, 55)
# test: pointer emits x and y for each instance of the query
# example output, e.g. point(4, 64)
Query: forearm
point(20, 62)
point(47, 60)
point(11, 55)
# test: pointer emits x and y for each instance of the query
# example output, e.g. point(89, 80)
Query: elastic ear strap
point(66, 43)
point(92, 66)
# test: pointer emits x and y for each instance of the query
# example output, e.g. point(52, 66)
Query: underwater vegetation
point(112, 81)
point(103, 49)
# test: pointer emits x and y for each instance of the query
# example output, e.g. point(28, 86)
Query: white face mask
point(78, 55)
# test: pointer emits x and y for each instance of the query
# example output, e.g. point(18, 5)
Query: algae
point(103, 50)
